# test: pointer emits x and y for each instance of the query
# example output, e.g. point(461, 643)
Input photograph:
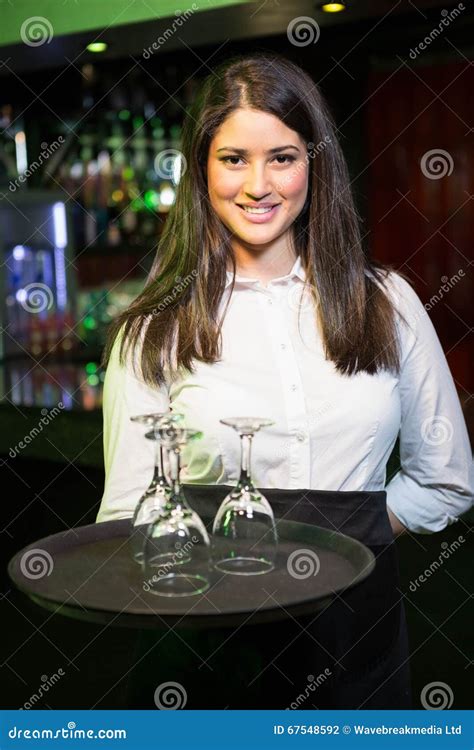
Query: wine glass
point(245, 539)
point(176, 558)
point(155, 496)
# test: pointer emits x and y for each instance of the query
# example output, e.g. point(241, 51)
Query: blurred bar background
point(89, 152)
point(92, 100)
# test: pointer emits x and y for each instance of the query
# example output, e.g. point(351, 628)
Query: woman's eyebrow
point(244, 151)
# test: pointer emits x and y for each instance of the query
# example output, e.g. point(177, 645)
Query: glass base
point(137, 542)
point(138, 557)
point(244, 566)
point(179, 585)
point(168, 559)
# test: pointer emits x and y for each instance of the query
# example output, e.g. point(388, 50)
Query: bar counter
point(51, 410)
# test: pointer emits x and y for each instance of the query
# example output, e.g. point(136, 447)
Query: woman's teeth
point(252, 210)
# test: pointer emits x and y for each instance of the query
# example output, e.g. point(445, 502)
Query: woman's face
point(256, 161)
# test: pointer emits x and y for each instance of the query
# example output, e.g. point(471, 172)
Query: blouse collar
point(296, 271)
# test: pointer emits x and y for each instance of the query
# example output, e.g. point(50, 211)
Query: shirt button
point(283, 346)
point(294, 387)
point(300, 436)
point(270, 302)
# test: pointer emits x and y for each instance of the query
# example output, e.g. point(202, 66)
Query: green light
point(124, 114)
point(91, 367)
point(90, 323)
point(152, 199)
point(137, 204)
point(93, 380)
point(128, 173)
point(97, 47)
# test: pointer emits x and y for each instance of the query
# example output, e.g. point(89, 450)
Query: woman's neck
point(263, 262)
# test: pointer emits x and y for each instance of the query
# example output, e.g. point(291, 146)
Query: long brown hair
point(176, 317)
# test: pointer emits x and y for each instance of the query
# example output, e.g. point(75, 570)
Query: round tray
point(87, 573)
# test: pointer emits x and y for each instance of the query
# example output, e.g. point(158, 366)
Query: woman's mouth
point(260, 214)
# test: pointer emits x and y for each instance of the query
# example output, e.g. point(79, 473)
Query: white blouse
point(330, 431)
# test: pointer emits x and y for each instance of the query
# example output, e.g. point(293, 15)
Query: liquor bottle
point(89, 188)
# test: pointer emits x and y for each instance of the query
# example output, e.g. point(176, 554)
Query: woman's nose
point(257, 185)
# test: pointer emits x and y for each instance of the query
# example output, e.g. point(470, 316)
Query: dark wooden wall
point(420, 221)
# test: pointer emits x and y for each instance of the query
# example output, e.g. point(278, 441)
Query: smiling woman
point(260, 181)
point(247, 108)
point(287, 320)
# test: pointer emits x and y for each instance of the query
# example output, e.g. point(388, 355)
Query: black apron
point(353, 654)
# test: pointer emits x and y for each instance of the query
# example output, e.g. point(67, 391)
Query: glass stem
point(158, 474)
point(175, 468)
point(158, 463)
point(245, 446)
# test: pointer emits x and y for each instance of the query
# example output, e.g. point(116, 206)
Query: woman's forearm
point(397, 527)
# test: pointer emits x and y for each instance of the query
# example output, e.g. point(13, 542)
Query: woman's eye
point(288, 158)
point(285, 159)
point(226, 159)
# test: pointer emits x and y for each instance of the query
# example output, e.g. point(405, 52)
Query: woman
point(262, 302)
point(339, 352)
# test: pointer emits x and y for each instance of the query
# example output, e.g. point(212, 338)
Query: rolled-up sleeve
point(435, 483)
point(128, 455)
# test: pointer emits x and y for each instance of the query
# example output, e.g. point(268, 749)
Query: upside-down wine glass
point(245, 539)
point(155, 496)
point(176, 560)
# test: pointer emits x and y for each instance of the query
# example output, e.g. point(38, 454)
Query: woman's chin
point(256, 235)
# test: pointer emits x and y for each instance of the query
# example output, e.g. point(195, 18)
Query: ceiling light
point(332, 7)
point(97, 47)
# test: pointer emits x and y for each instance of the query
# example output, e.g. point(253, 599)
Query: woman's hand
point(397, 527)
